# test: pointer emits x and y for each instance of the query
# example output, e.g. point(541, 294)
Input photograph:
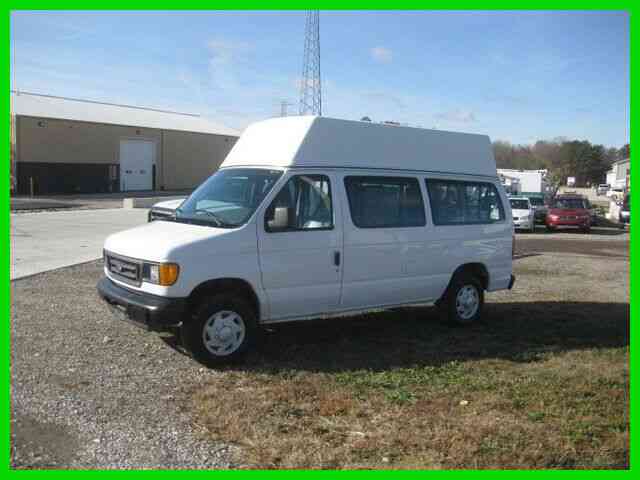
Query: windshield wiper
point(214, 217)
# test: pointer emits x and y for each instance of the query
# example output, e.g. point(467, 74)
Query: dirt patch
point(37, 444)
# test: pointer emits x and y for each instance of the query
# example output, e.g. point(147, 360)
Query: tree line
point(563, 158)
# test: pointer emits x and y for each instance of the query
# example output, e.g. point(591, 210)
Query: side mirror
point(280, 220)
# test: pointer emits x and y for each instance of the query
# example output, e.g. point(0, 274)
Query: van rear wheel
point(221, 331)
point(464, 300)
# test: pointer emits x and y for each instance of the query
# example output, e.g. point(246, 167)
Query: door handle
point(336, 258)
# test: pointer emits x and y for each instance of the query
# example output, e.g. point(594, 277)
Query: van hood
point(161, 241)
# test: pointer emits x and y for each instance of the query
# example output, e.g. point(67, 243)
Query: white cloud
point(381, 54)
point(226, 51)
point(457, 116)
point(224, 58)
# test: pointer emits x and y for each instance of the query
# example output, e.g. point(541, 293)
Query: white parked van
point(313, 217)
point(523, 214)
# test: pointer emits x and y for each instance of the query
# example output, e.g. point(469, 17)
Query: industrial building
point(66, 145)
point(618, 175)
point(529, 181)
point(511, 184)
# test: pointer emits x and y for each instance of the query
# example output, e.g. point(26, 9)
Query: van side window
point(385, 202)
point(455, 202)
point(304, 203)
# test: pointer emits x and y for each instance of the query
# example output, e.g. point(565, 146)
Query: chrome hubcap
point(467, 302)
point(223, 332)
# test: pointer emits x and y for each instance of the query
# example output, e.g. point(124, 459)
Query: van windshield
point(228, 198)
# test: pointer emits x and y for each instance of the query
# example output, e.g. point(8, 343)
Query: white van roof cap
point(308, 141)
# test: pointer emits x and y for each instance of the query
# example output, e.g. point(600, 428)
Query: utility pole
point(311, 90)
point(283, 107)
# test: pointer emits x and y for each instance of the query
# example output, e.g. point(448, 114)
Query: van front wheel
point(221, 330)
point(464, 300)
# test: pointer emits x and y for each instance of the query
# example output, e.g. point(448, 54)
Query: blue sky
point(514, 76)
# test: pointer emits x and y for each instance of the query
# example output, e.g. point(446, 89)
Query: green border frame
point(5, 346)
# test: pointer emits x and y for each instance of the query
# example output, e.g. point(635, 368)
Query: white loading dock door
point(136, 165)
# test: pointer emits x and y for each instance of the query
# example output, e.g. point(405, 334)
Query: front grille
point(124, 269)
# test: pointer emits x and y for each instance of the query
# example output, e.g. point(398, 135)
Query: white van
point(313, 217)
point(523, 214)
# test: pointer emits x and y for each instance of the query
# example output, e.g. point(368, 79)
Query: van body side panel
point(299, 275)
point(488, 244)
point(386, 266)
point(218, 258)
point(457, 245)
point(501, 264)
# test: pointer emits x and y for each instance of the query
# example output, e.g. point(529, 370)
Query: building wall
point(63, 156)
point(65, 141)
point(622, 170)
point(531, 181)
point(190, 158)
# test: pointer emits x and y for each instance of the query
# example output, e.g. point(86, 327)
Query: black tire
point(450, 300)
point(193, 331)
point(586, 230)
point(551, 229)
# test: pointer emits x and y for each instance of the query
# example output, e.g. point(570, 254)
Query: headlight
point(554, 217)
point(160, 273)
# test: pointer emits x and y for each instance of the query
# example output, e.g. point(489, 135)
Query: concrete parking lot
point(47, 240)
point(87, 201)
point(544, 379)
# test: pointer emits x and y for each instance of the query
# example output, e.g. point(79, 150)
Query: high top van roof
point(308, 141)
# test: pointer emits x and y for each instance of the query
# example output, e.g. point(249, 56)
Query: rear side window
point(456, 202)
point(385, 202)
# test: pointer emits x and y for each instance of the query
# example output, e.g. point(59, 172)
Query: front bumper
point(150, 312)
point(523, 224)
point(578, 223)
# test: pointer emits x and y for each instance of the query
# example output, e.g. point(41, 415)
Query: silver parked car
point(164, 210)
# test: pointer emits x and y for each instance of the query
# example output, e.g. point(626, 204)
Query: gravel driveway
point(89, 391)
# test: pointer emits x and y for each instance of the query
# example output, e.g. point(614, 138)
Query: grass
point(399, 389)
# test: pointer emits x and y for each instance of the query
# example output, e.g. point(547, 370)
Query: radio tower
point(311, 89)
